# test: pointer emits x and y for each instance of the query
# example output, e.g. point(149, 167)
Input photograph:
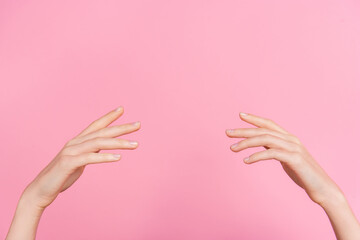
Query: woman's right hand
point(70, 162)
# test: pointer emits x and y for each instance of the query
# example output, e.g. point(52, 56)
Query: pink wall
point(184, 69)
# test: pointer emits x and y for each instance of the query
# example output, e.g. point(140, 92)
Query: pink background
point(184, 69)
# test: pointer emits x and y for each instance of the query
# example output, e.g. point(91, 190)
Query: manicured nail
point(119, 109)
point(243, 114)
point(116, 156)
point(229, 130)
point(136, 123)
point(133, 143)
point(246, 159)
point(234, 145)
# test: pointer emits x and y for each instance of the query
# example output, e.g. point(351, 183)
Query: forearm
point(342, 218)
point(25, 221)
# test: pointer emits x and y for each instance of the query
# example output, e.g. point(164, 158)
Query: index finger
point(102, 122)
point(262, 122)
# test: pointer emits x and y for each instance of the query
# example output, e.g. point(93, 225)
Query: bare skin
point(70, 162)
point(66, 168)
point(300, 166)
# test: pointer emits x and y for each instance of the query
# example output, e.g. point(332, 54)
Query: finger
point(74, 162)
point(265, 140)
point(102, 122)
point(262, 122)
point(277, 154)
point(252, 132)
point(97, 144)
point(108, 132)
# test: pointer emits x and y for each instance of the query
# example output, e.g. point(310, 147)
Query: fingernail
point(246, 159)
point(116, 156)
point(229, 131)
point(243, 114)
point(133, 143)
point(136, 123)
point(234, 145)
point(119, 109)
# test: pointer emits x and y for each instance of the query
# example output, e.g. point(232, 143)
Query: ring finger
point(108, 132)
point(265, 140)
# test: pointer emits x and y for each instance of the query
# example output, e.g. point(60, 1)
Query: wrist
point(27, 204)
point(26, 219)
point(333, 201)
point(341, 216)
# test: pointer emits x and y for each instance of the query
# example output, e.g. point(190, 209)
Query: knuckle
point(266, 119)
point(94, 141)
point(68, 150)
point(269, 121)
point(244, 143)
point(267, 136)
point(295, 139)
point(94, 144)
point(263, 131)
point(98, 140)
point(95, 122)
point(124, 126)
point(295, 147)
point(83, 158)
point(273, 152)
point(121, 128)
point(70, 142)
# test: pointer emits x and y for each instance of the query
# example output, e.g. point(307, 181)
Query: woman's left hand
point(289, 151)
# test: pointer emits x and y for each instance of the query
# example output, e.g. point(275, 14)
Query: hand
point(280, 145)
point(70, 162)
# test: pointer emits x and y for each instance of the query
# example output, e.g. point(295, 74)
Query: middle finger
point(252, 132)
point(97, 144)
point(109, 132)
point(265, 140)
